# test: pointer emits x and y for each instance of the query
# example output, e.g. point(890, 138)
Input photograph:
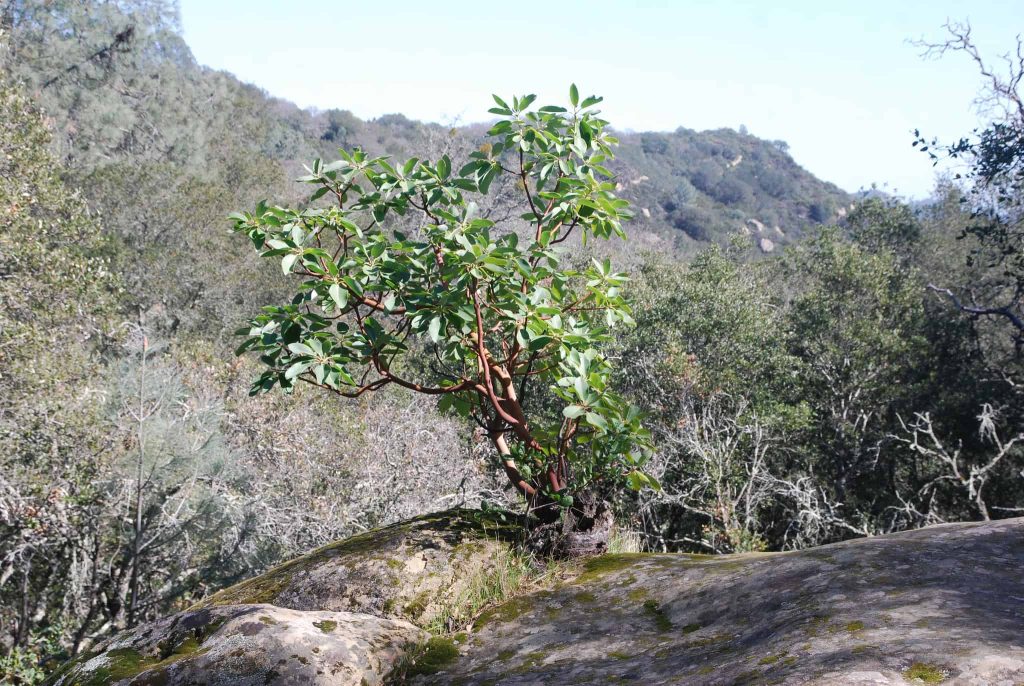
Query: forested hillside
point(803, 384)
point(702, 187)
point(123, 88)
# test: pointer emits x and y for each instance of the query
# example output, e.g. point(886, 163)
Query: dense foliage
point(824, 394)
point(994, 156)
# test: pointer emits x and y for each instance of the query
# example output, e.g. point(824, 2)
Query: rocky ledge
point(942, 605)
point(345, 614)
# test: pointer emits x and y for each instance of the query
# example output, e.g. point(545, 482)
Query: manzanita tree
point(495, 311)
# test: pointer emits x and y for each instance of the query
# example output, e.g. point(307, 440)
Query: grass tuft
point(625, 541)
point(922, 673)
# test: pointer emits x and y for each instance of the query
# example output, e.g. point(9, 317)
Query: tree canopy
point(498, 315)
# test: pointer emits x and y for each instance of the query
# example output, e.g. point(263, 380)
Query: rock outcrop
point(344, 614)
point(411, 570)
point(251, 644)
point(938, 605)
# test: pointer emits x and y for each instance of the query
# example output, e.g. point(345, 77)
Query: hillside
point(914, 608)
point(122, 87)
point(700, 187)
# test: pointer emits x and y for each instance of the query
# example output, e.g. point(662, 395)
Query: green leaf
point(485, 181)
point(287, 262)
point(574, 95)
point(300, 349)
point(581, 387)
point(335, 166)
point(539, 343)
point(339, 295)
point(296, 369)
point(434, 329)
point(636, 480)
point(597, 421)
point(573, 411)
point(245, 345)
point(585, 133)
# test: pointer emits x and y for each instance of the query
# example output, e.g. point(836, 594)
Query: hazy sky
point(837, 80)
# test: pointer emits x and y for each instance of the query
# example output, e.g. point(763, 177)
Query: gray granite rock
point(271, 628)
point(938, 605)
point(249, 645)
point(410, 570)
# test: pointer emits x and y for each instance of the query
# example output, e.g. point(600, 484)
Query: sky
point(839, 81)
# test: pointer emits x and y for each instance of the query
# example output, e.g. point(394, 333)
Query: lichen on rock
point(939, 605)
point(411, 570)
point(849, 613)
point(249, 644)
point(341, 614)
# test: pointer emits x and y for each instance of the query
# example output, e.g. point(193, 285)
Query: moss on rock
point(597, 567)
point(438, 653)
point(411, 570)
point(923, 673)
point(326, 626)
point(657, 613)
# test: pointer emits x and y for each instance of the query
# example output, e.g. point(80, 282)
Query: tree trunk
point(581, 531)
